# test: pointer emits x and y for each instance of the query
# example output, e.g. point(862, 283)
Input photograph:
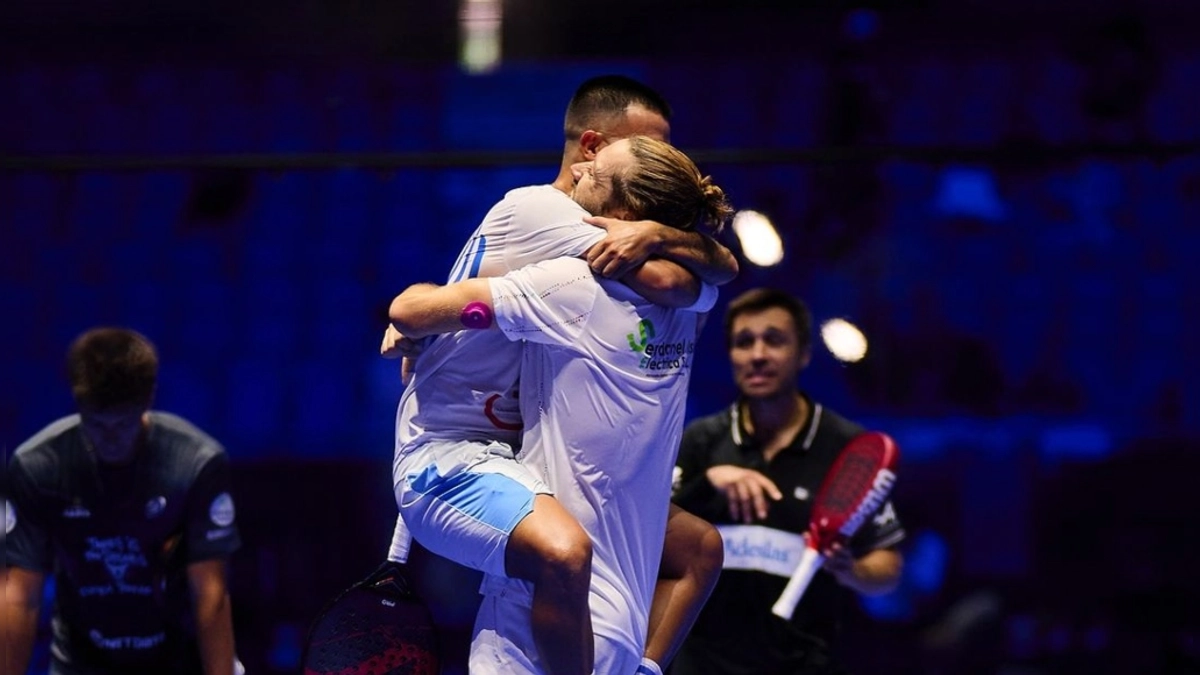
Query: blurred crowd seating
point(1016, 338)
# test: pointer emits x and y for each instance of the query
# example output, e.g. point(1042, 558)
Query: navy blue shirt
point(118, 540)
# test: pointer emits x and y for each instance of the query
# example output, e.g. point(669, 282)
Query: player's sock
point(401, 542)
point(648, 667)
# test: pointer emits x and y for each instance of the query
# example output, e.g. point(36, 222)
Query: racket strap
point(390, 578)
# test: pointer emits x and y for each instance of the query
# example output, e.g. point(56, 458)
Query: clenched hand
point(395, 346)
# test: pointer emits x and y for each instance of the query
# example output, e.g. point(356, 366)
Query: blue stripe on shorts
point(490, 498)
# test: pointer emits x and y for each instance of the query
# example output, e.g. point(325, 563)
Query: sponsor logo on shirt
point(221, 533)
point(801, 493)
point(76, 510)
point(126, 641)
point(489, 410)
point(10, 517)
point(659, 358)
point(762, 549)
point(118, 555)
point(645, 331)
point(221, 512)
point(155, 507)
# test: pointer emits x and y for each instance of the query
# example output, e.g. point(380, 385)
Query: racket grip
point(810, 562)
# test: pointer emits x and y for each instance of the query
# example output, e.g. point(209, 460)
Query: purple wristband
point(476, 315)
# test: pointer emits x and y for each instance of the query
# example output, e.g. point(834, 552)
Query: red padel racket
point(858, 483)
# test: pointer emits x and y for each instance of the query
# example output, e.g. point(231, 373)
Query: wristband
point(648, 667)
point(476, 315)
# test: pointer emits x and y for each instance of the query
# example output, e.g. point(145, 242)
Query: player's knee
point(710, 553)
point(565, 561)
point(570, 556)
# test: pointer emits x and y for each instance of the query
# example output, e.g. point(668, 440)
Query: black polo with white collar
point(736, 631)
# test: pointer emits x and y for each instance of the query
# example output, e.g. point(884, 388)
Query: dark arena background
point(1004, 197)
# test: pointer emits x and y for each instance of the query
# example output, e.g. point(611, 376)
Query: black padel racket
point(378, 626)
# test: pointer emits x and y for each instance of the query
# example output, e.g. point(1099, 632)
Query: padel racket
point(378, 626)
point(860, 480)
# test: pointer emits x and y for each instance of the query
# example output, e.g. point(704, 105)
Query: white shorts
point(462, 499)
point(502, 643)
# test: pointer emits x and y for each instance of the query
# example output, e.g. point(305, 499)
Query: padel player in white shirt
point(596, 344)
point(603, 387)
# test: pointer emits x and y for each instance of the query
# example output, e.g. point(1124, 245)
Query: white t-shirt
point(603, 388)
point(464, 386)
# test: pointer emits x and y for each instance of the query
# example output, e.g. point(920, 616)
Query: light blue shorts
point(462, 499)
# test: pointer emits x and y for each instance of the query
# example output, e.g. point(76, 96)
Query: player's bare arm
point(629, 244)
point(428, 309)
point(214, 617)
point(664, 283)
point(22, 602)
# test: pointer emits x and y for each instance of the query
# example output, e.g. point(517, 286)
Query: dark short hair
point(609, 96)
point(111, 366)
point(761, 299)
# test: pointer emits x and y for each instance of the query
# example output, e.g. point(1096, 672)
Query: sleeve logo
point(10, 517)
point(221, 512)
point(155, 507)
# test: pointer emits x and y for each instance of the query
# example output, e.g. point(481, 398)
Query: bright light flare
point(760, 242)
point(844, 340)
point(479, 24)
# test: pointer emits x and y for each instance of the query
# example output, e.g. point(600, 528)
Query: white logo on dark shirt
point(221, 512)
point(10, 517)
point(118, 555)
point(764, 549)
point(126, 641)
point(155, 507)
point(801, 493)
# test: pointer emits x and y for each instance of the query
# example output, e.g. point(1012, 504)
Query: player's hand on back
point(627, 245)
point(748, 492)
point(395, 345)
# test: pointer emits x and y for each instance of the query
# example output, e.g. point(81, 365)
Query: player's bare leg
point(693, 553)
point(550, 549)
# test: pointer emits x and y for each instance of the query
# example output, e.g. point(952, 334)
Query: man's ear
point(620, 213)
point(590, 142)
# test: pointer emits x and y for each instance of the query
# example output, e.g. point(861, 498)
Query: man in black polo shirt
point(753, 470)
point(130, 509)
